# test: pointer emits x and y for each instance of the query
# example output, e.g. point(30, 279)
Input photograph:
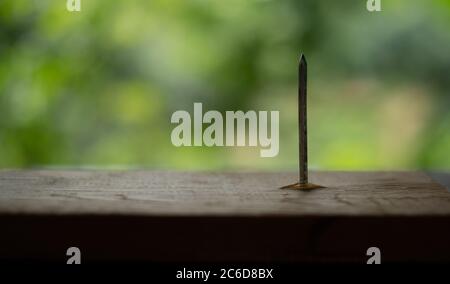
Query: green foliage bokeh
point(97, 88)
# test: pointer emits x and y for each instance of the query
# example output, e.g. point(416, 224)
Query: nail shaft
point(302, 123)
point(302, 183)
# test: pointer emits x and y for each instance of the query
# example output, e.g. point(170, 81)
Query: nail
point(302, 123)
point(302, 130)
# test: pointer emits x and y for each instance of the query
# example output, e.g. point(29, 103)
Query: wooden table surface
point(188, 216)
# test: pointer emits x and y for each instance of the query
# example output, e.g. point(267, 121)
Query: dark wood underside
point(224, 239)
point(221, 217)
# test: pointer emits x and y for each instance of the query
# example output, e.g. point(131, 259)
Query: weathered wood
point(243, 194)
point(168, 216)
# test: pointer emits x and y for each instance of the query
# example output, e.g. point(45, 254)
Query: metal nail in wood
point(302, 130)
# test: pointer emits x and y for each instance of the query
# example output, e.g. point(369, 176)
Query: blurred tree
point(97, 88)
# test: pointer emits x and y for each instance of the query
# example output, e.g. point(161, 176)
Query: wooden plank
point(243, 194)
point(221, 217)
point(442, 178)
point(223, 239)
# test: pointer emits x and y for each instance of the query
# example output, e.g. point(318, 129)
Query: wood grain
point(222, 194)
point(154, 216)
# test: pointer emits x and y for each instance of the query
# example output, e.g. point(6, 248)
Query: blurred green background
point(97, 88)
